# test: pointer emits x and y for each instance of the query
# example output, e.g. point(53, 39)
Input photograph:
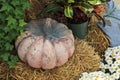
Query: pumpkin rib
point(25, 49)
point(32, 56)
point(71, 37)
point(22, 41)
point(26, 34)
point(65, 42)
point(61, 59)
point(48, 57)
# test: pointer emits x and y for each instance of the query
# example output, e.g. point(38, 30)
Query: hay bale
point(94, 19)
point(4, 71)
point(84, 59)
point(97, 39)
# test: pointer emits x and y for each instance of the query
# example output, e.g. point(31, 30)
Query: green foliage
point(96, 1)
point(67, 6)
point(71, 1)
point(53, 8)
point(68, 11)
point(58, 0)
point(85, 7)
point(11, 26)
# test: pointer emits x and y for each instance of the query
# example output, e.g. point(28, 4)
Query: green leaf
point(13, 60)
point(58, 0)
point(15, 2)
point(85, 7)
point(5, 56)
point(95, 2)
point(68, 11)
point(12, 36)
point(11, 20)
point(26, 5)
point(22, 23)
point(6, 29)
point(6, 7)
point(3, 1)
point(2, 17)
point(11, 64)
point(8, 46)
point(18, 13)
point(53, 8)
point(71, 1)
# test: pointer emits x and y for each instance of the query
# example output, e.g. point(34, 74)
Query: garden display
point(38, 43)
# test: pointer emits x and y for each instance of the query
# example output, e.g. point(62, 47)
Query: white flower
point(112, 77)
point(108, 59)
point(112, 69)
point(118, 58)
point(108, 53)
point(92, 74)
point(107, 74)
point(84, 76)
point(98, 78)
point(108, 50)
point(101, 65)
point(106, 66)
point(118, 71)
point(117, 48)
point(115, 76)
point(117, 63)
point(85, 73)
point(114, 66)
point(113, 54)
point(109, 62)
point(118, 53)
point(109, 78)
point(98, 75)
point(103, 69)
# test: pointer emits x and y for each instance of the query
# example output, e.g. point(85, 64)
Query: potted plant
point(76, 11)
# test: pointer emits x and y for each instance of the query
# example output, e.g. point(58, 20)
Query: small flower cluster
point(111, 62)
point(98, 75)
point(110, 67)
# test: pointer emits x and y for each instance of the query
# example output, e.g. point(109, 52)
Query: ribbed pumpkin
point(45, 44)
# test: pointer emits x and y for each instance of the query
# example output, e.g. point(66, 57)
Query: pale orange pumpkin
point(45, 44)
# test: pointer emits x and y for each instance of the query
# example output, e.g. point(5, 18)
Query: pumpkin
point(45, 44)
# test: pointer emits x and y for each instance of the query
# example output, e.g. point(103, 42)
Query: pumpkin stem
point(48, 22)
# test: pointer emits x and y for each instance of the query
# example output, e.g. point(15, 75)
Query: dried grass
point(97, 39)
